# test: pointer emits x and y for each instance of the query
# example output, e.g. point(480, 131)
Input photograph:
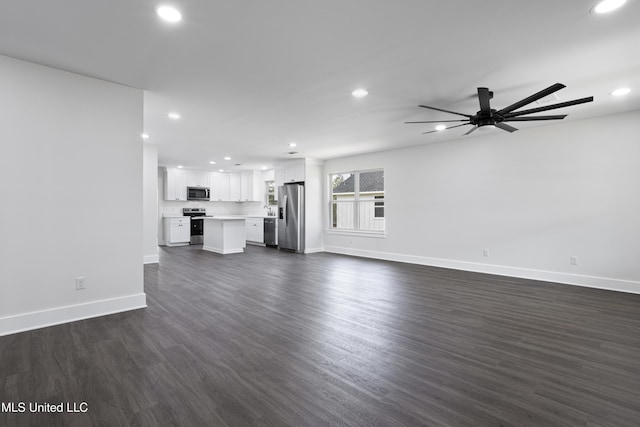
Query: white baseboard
point(151, 259)
point(546, 276)
point(223, 251)
point(56, 316)
point(313, 250)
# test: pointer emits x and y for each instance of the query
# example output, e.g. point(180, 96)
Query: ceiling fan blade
point(528, 100)
point(549, 107)
point(484, 96)
point(444, 111)
point(472, 129)
point(533, 118)
point(506, 127)
point(450, 127)
point(440, 121)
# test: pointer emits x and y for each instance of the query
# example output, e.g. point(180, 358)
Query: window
point(357, 200)
point(271, 193)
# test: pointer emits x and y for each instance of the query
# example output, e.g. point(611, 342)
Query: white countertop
point(222, 218)
point(225, 217)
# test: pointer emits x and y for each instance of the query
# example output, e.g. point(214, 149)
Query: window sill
point(360, 233)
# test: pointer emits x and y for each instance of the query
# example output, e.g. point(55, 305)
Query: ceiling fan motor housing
point(489, 118)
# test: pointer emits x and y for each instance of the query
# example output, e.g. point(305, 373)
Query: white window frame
point(356, 203)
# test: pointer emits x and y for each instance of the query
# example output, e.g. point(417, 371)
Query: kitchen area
point(226, 211)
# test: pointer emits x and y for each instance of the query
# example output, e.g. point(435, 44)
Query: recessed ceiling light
point(220, 170)
point(227, 158)
point(292, 144)
point(212, 162)
point(169, 14)
point(180, 166)
point(174, 116)
point(264, 168)
point(607, 6)
point(360, 93)
point(441, 127)
point(621, 91)
point(145, 136)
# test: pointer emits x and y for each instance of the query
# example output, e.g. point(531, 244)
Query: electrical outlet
point(79, 283)
point(574, 260)
point(485, 252)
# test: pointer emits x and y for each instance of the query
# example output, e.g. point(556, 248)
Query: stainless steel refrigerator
point(291, 217)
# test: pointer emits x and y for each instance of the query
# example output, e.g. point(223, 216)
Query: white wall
point(533, 198)
point(150, 219)
point(71, 190)
point(314, 206)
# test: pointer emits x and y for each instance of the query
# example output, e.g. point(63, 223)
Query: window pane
point(372, 182)
point(343, 186)
point(342, 215)
point(379, 207)
point(271, 192)
point(369, 215)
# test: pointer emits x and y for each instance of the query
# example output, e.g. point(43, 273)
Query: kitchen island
point(223, 234)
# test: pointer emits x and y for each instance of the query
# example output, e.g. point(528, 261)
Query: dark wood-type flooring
point(268, 338)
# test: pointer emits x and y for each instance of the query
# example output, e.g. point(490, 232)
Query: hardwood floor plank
point(269, 338)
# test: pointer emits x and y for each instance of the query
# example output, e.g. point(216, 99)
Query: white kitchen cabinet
point(219, 186)
point(177, 231)
point(175, 184)
point(294, 173)
point(255, 230)
point(234, 187)
point(247, 193)
point(290, 173)
point(197, 179)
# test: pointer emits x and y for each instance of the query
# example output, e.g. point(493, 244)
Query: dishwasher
point(270, 231)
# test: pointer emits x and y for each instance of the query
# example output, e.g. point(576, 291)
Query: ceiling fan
point(488, 116)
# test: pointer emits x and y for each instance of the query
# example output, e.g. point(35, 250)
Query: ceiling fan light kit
point(489, 117)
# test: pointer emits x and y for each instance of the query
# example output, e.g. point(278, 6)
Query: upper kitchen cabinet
point(294, 173)
point(250, 186)
point(235, 186)
point(224, 187)
point(290, 172)
point(219, 186)
point(242, 187)
point(175, 184)
point(198, 179)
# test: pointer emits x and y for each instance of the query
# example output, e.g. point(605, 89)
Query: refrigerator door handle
point(285, 203)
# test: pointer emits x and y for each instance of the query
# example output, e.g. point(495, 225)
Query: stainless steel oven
point(197, 225)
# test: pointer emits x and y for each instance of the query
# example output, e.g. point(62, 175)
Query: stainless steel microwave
point(198, 193)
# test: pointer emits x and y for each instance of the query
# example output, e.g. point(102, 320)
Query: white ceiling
point(250, 76)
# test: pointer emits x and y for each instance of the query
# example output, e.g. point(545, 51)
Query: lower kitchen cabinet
point(255, 231)
point(177, 231)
